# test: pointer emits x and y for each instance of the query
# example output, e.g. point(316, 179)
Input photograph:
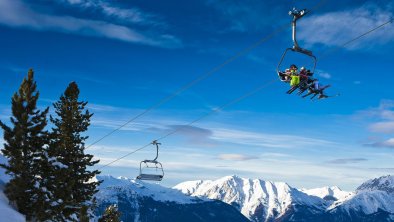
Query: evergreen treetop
point(24, 147)
point(74, 185)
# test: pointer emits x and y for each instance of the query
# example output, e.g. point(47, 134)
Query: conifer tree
point(24, 147)
point(72, 184)
point(111, 214)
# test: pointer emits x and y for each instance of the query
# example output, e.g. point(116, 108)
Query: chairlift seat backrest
point(150, 161)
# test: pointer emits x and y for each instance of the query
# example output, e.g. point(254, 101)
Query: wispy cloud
point(127, 15)
point(266, 140)
point(381, 123)
point(347, 161)
point(15, 13)
point(336, 28)
point(325, 75)
point(120, 124)
point(385, 111)
point(382, 127)
point(387, 143)
point(383, 169)
point(111, 109)
point(381, 120)
point(236, 157)
point(195, 135)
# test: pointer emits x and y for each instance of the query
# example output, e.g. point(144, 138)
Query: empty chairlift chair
point(151, 169)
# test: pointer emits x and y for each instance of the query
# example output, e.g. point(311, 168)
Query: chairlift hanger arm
point(157, 149)
point(297, 15)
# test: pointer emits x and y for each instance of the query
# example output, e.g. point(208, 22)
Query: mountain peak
point(232, 177)
point(327, 193)
point(249, 195)
point(384, 183)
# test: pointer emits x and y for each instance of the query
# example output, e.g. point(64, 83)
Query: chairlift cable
point(254, 91)
point(357, 38)
point(330, 51)
point(193, 82)
point(203, 76)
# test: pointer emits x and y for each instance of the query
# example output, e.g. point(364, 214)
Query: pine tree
point(71, 184)
point(111, 214)
point(24, 147)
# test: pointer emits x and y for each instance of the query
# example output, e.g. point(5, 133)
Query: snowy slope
point(4, 178)
point(111, 186)
point(258, 200)
point(7, 213)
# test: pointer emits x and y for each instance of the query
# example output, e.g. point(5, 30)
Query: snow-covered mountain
point(139, 201)
point(372, 201)
point(262, 200)
point(385, 183)
point(258, 200)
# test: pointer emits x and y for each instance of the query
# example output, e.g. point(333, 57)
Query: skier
point(295, 78)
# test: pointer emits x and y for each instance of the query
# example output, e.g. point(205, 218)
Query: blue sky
point(127, 56)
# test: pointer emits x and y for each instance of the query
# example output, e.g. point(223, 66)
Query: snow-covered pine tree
point(24, 147)
point(72, 184)
point(111, 214)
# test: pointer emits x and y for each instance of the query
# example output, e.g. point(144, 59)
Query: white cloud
point(102, 108)
point(384, 111)
point(336, 28)
point(325, 75)
point(382, 127)
point(347, 161)
point(15, 14)
point(274, 155)
point(194, 135)
point(383, 117)
point(266, 140)
point(236, 157)
point(387, 143)
point(125, 15)
point(120, 124)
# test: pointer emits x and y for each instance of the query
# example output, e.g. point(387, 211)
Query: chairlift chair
point(145, 165)
point(296, 48)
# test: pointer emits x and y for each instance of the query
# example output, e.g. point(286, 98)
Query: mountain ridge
point(277, 201)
